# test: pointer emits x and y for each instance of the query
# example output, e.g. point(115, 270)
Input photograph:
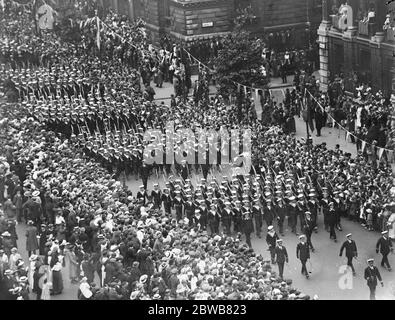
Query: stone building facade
point(353, 41)
point(290, 22)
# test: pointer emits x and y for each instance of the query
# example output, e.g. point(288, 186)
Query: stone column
point(323, 38)
point(349, 56)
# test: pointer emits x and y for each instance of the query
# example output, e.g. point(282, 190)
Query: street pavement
point(327, 279)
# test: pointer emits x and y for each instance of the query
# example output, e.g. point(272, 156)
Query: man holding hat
point(371, 275)
point(384, 244)
point(303, 253)
point(351, 251)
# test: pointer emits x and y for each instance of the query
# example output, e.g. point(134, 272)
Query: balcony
point(366, 29)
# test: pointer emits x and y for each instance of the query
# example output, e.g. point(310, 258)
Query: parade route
point(326, 279)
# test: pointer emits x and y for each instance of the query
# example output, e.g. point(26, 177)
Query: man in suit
point(281, 257)
point(371, 275)
point(351, 251)
point(303, 253)
point(385, 246)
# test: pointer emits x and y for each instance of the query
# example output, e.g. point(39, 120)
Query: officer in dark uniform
point(338, 204)
point(237, 216)
point(226, 217)
point(203, 213)
point(312, 207)
point(142, 195)
point(307, 228)
point(280, 210)
point(213, 219)
point(145, 173)
point(247, 225)
point(292, 213)
point(351, 251)
point(331, 219)
point(384, 245)
point(257, 214)
point(303, 253)
point(167, 201)
point(271, 240)
point(371, 275)
point(178, 203)
point(325, 207)
point(268, 210)
point(189, 208)
point(156, 196)
point(281, 257)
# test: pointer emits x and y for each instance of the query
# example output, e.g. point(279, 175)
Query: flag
point(363, 146)
point(381, 152)
point(98, 33)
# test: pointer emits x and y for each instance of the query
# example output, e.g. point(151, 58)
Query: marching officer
point(178, 203)
point(257, 214)
point(167, 201)
point(313, 207)
point(331, 219)
point(189, 208)
point(144, 173)
point(213, 219)
point(280, 210)
point(307, 228)
point(247, 225)
point(237, 216)
point(384, 245)
point(156, 196)
point(271, 240)
point(303, 253)
point(371, 275)
point(268, 212)
point(281, 257)
point(351, 251)
point(226, 217)
point(203, 212)
point(142, 195)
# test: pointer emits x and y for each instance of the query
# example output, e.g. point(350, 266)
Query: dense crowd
point(80, 217)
